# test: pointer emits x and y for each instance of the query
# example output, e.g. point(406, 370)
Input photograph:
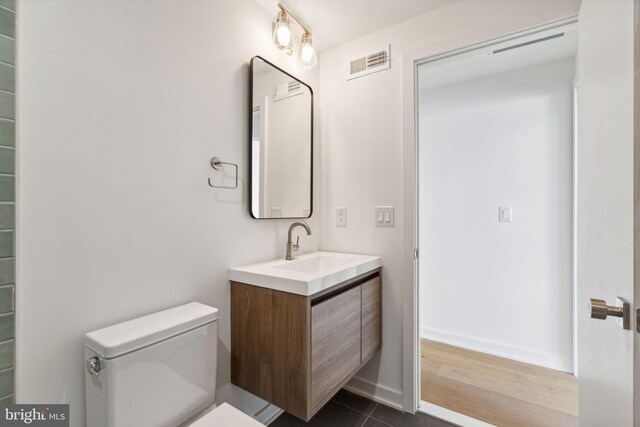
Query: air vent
point(377, 59)
point(286, 90)
point(372, 63)
point(294, 86)
point(358, 65)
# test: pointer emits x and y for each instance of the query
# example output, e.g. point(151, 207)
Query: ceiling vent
point(372, 63)
point(286, 90)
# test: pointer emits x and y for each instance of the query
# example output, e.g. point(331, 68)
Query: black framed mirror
point(281, 144)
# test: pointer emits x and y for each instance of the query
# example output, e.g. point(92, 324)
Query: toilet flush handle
point(94, 365)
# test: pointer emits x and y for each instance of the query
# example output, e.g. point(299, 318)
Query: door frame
point(636, 213)
point(410, 250)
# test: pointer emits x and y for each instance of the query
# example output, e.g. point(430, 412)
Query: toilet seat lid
point(226, 415)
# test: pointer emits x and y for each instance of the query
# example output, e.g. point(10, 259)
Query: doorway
point(496, 231)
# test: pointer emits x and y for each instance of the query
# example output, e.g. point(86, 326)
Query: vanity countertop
point(306, 274)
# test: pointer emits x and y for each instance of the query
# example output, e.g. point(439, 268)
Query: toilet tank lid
point(125, 337)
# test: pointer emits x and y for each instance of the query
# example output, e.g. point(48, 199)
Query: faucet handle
point(296, 246)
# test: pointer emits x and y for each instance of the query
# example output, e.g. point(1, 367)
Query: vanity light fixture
point(282, 32)
point(283, 38)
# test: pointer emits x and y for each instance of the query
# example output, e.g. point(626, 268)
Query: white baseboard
point(533, 357)
point(450, 416)
point(378, 393)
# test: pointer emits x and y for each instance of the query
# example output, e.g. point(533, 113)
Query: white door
point(605, 214)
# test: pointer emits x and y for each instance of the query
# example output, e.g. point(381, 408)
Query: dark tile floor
point(350, 410)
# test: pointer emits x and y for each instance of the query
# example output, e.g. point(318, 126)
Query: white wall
point(361, 147)
point(501, 140)
point(122, 104)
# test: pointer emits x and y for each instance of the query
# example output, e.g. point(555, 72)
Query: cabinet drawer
point(335, 341)
point(371, 317)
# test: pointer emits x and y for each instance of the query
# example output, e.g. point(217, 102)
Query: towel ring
point(217, 164)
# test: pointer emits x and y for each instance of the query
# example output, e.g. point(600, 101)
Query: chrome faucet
point(291, 248)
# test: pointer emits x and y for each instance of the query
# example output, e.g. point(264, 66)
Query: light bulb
point(282, 32)
point(307, 54)
point(284, 35)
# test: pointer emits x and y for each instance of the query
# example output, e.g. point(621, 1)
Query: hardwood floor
point(499, 391)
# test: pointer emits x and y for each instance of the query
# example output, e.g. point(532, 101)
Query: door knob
point(621, 311)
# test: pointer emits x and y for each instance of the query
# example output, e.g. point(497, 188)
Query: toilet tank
point(156, 370)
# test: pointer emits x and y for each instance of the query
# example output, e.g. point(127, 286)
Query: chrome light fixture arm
point(291, 15)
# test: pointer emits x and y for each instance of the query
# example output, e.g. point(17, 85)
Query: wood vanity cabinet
point(297, 351)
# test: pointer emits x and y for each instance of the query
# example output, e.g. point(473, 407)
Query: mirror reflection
point(281, 143)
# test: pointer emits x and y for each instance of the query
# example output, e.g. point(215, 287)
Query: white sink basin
point(315, 264)
point(306, 274)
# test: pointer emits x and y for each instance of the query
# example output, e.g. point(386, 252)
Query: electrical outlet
point(385, 216)
point(341, 217)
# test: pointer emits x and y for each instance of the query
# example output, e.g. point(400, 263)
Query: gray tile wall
point(7, 197)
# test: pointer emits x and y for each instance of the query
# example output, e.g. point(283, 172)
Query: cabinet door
point(335, 341)
point(371, 318)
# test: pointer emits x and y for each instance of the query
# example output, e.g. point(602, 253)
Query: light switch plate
point(341, 217)
point(505, 214)
point(384, 216)
point(276, 212)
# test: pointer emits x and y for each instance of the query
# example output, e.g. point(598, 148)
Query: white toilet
point(156, 371)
